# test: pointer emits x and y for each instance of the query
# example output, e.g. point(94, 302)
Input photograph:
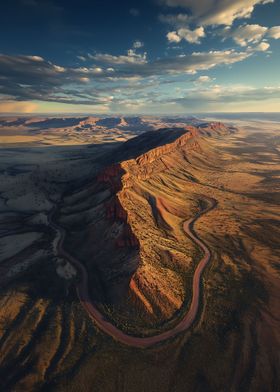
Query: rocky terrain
point(40, 131)
point(122, 203)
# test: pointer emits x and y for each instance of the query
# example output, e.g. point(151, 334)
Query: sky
point(139, 57)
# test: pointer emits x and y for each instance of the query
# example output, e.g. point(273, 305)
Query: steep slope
point(137, 253)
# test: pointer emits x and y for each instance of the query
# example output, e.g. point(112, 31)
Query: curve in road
point(112, 330)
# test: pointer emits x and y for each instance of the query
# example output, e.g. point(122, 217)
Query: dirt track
point(110, 329)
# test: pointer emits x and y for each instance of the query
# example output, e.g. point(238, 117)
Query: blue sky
point(133, 57)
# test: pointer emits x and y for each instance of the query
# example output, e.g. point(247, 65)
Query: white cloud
point(246, 34)
point(58, 68)
point(82, 58)
point(213, 97)
point(138, 44)
point(131, 58)
point(35, 58)
point(172, 36)
point(262, 47)
point(97, 70)
point(191, 36)
point(203, 79)
point(217, 12)
point(27, 79)
point(228, 98)
point(133, 65)
point(208, 60)
point(274, 32)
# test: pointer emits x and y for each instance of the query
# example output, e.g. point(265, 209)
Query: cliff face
point(158, 152)
point(134, 245)
point(121, 176)
point(118, 174)
point(116, 213)
point(112, 177)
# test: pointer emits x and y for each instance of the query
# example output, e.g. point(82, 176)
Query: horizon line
point(128, 114)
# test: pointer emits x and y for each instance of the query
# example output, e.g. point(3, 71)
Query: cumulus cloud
point(246, 34)
point(274, 32)
point(262, 47)
point(137, 44)
point(251, 33)
point(191, 36)
point(172, 36)
point(217, 12)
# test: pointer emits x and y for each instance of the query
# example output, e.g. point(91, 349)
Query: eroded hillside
point(125, 225)
point(136, 244)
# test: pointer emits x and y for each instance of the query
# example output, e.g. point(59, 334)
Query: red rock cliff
point(121, 175)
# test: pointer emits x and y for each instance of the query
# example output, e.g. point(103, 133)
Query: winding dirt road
point(110, 329)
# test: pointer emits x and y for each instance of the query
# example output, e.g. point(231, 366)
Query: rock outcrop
point(120, 176)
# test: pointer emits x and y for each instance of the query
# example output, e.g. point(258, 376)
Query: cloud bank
point(216, 12)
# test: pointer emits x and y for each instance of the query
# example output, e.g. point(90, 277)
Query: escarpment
point(133, 245)
point(121, 176)
point(114, 210)
point(146, 219)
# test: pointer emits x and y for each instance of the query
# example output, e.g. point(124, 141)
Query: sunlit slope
point(140, 259)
